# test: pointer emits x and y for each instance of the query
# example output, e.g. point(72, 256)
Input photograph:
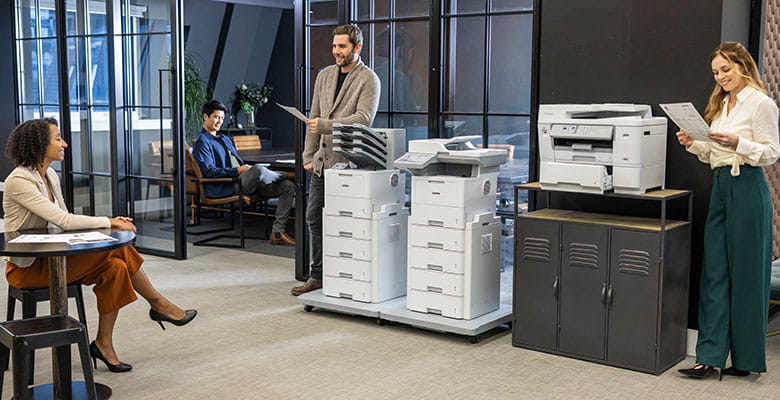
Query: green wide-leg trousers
point(735, 273)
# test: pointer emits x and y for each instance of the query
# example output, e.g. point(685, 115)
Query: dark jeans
point(314, 220)
point(283, 189)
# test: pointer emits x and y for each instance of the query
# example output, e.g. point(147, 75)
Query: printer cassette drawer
point(436, 282)
point(346, 227)
point(346, 288)
point(347, 268)
point(435, 303)
point(447, 217)
point(347, 248)
point(479, 192)
point(354, 208)
point(382, 184)
point(436, 260)
point(437, 238)
point(436, 191)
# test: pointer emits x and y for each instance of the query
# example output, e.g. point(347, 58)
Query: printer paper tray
point(581, 178)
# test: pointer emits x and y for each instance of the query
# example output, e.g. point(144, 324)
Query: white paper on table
point(688, 119)
point(69, 238)
point(294, 111)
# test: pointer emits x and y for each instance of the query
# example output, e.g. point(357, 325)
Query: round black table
point(56, 253)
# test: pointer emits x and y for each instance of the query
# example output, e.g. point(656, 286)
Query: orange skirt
point(110, 272)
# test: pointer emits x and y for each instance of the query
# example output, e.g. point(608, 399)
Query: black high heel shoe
point(700, 371)
point(94, 351)
point(735, 372)
point(160, 317)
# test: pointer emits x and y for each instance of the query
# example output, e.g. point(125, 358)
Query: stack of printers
point(593, 148)
point(454, 234)
point(364, 218)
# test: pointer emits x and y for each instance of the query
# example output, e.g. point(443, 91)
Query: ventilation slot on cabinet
point(584, 255)
point(634, 262)
point(536, 249)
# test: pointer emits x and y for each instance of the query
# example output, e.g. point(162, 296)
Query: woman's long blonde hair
point(736, 54)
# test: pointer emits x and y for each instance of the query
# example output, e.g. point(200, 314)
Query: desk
point(56, 253)
point(265, 134)
point(272, 157)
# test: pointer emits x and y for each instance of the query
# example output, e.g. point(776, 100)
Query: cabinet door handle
point(555, 288)
point(609, 296)
point(604, 293)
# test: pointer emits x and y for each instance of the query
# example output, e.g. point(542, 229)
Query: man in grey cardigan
point(348, 93)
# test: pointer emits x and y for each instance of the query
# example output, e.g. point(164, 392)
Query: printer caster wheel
point(380, 322)
point(308, 308)
point(474, 339)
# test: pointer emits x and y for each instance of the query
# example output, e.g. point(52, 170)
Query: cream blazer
point(27, 206)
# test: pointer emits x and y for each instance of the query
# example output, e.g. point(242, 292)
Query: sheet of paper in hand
point(266, 175)
point(688, 119)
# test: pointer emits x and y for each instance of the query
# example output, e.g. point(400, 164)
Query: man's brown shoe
point(281, 238)
point(308, 286)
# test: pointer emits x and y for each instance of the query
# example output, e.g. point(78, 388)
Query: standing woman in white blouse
point(735, 273)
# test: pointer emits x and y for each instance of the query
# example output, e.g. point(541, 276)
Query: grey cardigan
point(356, 103)
point(27, 206)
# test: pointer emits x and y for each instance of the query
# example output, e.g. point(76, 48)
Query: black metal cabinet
point(610, 289)
point(583, 275)
point(536, 284)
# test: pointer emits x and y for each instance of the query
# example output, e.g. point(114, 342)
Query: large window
point(36, 60)
point(396, 36)
point(107, 70)
point(447, 68)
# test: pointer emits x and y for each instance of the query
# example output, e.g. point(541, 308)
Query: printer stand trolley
point(611, 289)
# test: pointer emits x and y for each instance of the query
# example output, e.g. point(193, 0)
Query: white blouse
point(754, 120)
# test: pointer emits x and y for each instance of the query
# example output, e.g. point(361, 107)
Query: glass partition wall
point(107, 70)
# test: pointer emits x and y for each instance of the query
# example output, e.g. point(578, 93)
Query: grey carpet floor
point(251, 340)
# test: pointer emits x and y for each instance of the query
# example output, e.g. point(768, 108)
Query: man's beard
point(346, 60)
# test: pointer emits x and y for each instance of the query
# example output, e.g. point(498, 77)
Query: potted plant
point(194, 97)
point(250, 96)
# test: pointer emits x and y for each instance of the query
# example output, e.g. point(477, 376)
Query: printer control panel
point(417, 158)
point(572, 131)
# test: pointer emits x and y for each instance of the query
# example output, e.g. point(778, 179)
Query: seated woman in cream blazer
point(33, 199)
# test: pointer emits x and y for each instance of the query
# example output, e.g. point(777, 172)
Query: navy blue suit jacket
point(211, 153)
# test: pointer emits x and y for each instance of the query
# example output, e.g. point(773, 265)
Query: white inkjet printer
point(593, 148)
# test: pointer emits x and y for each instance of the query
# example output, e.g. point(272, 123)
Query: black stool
point(22, 337)
point(30, 299)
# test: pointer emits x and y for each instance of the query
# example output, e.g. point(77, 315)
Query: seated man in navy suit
point(218, 158)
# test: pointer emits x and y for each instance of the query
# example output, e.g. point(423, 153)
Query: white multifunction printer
point(364, 218)
point(593, 148)
point(454, 234)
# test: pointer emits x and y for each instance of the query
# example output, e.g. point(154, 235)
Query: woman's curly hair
point(28, 141)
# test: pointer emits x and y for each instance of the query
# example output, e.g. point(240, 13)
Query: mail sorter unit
point(364, 219)
point(593, 148)
point(454, 235)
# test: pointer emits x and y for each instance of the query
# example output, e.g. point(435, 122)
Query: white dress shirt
point(754, 120)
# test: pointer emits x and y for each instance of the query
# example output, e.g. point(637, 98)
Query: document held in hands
point(294, 111)
point(688, 119)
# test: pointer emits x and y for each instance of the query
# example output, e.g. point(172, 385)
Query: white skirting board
point(395, 310)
